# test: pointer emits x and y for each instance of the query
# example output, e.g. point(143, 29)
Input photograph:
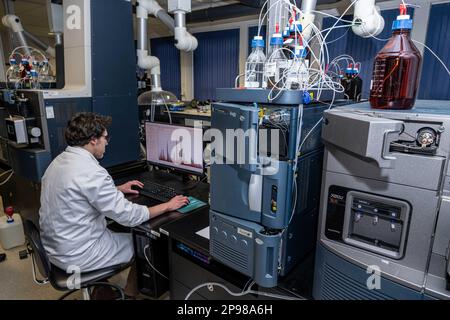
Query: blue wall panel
point(361, 49)
point(337, 37)
point(114, 88)
point(435, 81)
point(112, 65)
point(216, 62)
point(169, 57)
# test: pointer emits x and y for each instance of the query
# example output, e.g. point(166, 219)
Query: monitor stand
point(188, 183)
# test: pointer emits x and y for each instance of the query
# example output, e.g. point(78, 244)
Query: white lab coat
point(77, 194)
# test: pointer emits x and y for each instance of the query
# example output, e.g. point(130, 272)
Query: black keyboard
point(157, 191)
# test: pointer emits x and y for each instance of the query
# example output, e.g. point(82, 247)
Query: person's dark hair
point(85, 126)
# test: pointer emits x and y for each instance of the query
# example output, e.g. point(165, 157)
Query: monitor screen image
point(175, 146)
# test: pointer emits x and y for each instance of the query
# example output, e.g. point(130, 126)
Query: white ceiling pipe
point(183, 39)
point(307, 17)
point(13, 22)
point(40, 44)
point(367, 19)
point(144, 60)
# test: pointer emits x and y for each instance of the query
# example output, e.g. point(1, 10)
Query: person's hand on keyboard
point(177, 202)
point(131, 187)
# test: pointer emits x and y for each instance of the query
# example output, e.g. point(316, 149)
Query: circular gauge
point(426, 137)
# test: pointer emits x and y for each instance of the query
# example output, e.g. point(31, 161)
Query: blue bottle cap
point(277, 39)
point(402, 24)
point(258, 42)
point(300, 52)
point(296, 26)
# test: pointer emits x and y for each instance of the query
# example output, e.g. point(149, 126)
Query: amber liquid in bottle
point(396, 73)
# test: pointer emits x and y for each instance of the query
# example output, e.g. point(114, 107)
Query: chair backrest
point(34, 240)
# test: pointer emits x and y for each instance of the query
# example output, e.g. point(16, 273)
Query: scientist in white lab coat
point(78, 193)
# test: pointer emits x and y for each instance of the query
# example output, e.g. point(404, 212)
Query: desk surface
point(198, 190)
point(186, 230)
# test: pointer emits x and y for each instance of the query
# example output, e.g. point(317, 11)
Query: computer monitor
point(175, 147)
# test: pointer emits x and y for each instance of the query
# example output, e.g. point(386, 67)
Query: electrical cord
point(240, 294)
point(250, 280)
point(11, 172)
point(151, 265)
point(6, 172)
point(434, 54)
point(215, 284)
point(295, 191)
point(308, 134)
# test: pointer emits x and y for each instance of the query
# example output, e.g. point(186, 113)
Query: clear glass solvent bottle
point(254, 67)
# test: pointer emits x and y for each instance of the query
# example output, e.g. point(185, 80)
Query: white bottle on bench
point(11, 229)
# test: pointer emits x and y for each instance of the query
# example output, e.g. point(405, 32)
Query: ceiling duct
point(235, 10)
point(223, 12)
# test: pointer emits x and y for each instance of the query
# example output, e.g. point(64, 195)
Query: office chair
point(57, 277)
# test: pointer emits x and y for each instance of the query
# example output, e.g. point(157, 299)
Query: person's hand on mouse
point(131, 187)
point(176, 203)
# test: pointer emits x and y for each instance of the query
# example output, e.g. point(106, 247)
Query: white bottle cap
point(403, 17)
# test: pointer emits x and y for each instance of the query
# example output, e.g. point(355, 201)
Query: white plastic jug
point(11, 230)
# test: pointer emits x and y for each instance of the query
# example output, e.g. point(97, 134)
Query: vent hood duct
point(222, 12)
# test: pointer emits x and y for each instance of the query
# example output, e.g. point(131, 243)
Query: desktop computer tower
point(383, 187)
point(150, 282)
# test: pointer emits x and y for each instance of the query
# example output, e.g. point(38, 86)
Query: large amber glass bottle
point(396, 69)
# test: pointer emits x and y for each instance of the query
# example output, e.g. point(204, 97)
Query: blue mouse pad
point(194, 203)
